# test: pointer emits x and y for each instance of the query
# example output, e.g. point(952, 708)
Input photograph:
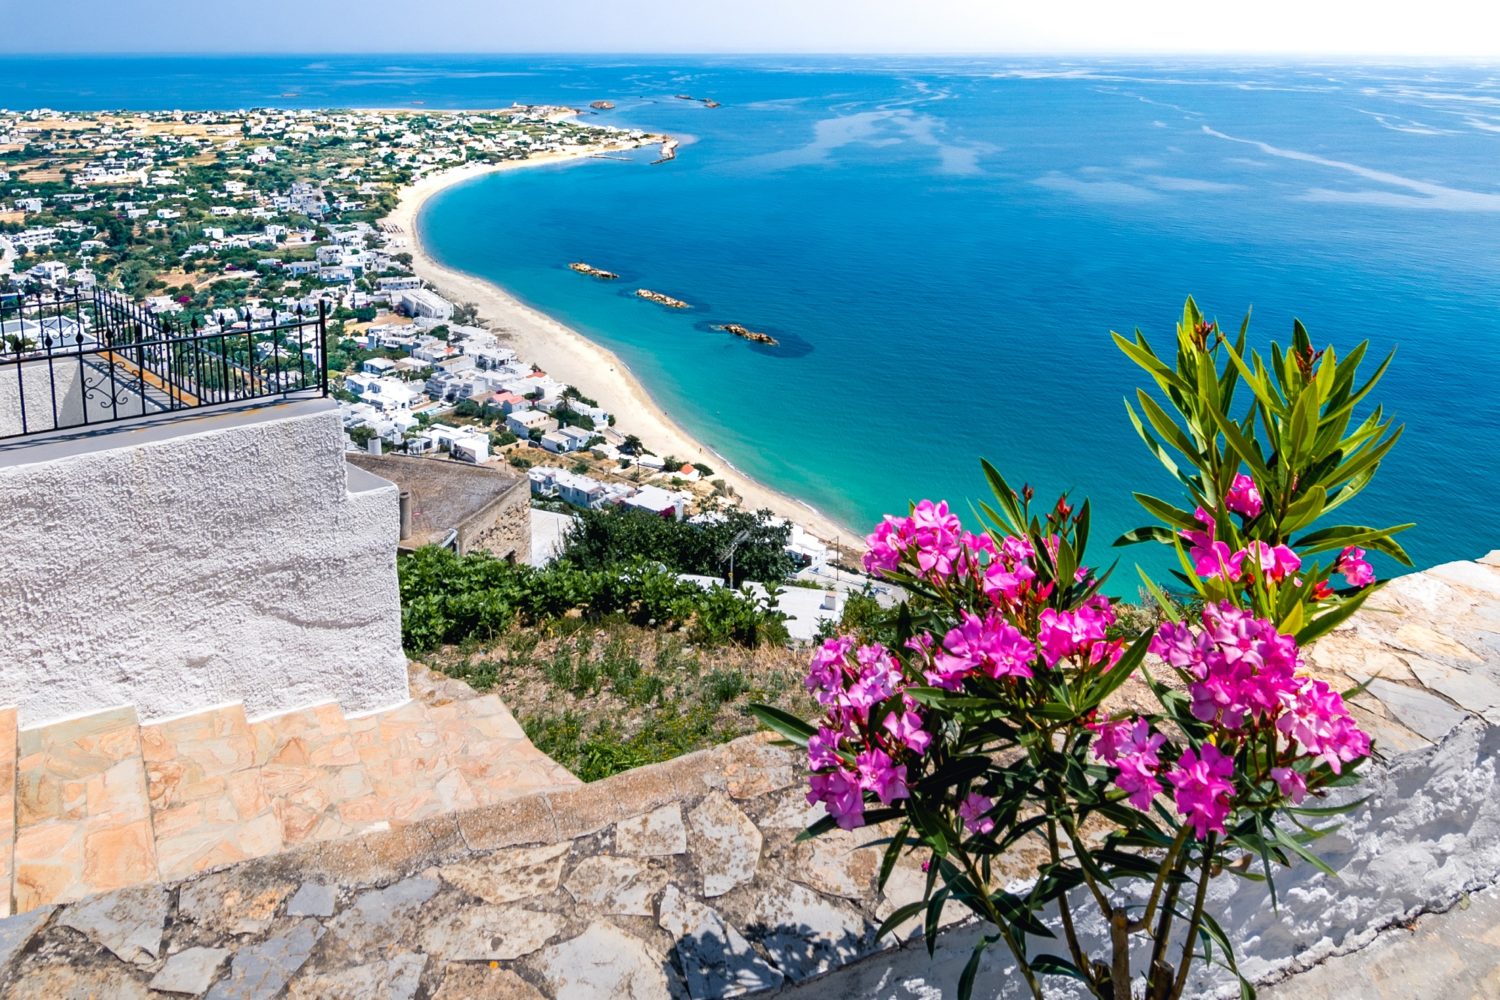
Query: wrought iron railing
point(86, 357)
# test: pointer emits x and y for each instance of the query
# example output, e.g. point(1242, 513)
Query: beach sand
point(572, 358)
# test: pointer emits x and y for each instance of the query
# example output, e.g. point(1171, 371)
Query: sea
point(942, 247)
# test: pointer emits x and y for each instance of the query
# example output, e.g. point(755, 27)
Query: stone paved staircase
point(101, 802)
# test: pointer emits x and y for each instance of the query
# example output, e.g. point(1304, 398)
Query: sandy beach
point(570, 357)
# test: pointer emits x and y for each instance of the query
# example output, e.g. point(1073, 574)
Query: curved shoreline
point(570, 357)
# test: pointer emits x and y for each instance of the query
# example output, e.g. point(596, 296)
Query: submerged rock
point(660, 299)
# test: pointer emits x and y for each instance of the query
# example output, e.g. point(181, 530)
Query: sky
point(1454, 29)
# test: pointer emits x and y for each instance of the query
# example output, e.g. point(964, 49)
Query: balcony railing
point(88, 357)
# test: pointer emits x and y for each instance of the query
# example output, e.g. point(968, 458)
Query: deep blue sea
point(942, 248)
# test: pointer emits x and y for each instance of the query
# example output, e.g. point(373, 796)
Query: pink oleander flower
point(1006, 583)
point(1131, 747)
point(841, 795)
point(990, 645)
point(972, 811)
point(1240, 664)
point(1108, 737)
point(881, 775)
point(906, 727)
point(1210, 557)
point(1291, 783)
point(1275, 562)
point(1064, 633)
point(1015, 549)
point(1203, 789)
point(971, 548)
point(879, 678)
point(825, 672)
point(1357, 572)
point(883, 547)
point(1244, 497)
point(930, 536)
point(822, 749)
point(936, 534)
point(1316, 719)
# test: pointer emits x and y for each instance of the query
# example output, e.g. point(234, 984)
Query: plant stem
point(1195, 921)
point(1161, 876)
point(1164, 924)
point(1119, 941)
point(1066, 912)
point(1000, 925)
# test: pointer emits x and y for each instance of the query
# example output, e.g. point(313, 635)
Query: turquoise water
point(943, 247)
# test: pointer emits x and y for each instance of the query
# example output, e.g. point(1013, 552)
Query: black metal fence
point(85, 357)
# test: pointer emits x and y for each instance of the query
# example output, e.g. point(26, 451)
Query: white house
point(664, 503)
point(424, 303)
point(522, 422)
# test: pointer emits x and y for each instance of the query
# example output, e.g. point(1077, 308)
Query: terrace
point(89, 357)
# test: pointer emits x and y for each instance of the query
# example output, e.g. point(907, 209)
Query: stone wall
point(502, 528)
point(186, 562)
point(488, 506)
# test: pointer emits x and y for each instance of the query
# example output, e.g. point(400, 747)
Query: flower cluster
point(1213, 559)
point(849, 754)
point(1002, 630)
point(1243, 682)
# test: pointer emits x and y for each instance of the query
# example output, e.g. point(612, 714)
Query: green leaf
point(1006, 497)
point(934, 916)
point(782, 722)
point(971, 968)
point(900, 916)
point(1167, 607)
point(1171, 515)
point(1241, 446)
point(1292, 844)
point(892, 855)
point(1149, 533)
point(822, 826)
point(1052, 965)
point(1305, 510)
point(1332, 618)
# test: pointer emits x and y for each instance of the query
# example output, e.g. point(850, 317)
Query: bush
point(986, 722)
point(447, 598)
point(605, 537)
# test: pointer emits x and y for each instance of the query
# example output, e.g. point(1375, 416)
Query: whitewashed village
point(236, 223)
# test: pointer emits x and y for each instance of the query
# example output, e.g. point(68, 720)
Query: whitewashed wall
point(203, 560)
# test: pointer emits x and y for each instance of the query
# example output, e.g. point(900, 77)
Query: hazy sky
point(1443, 28)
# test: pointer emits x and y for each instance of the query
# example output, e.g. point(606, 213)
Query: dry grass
point(602, 699)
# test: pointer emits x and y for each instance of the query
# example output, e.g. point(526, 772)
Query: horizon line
point(1080, 54)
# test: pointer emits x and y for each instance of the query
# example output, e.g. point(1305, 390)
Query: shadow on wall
point(715, 960)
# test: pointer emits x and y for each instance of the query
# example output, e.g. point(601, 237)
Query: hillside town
point(237, 223)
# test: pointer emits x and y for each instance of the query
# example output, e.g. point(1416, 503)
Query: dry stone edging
point(685, 879)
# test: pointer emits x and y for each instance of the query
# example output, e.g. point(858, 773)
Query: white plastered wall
point(202, 560)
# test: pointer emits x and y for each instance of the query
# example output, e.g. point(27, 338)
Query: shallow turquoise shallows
point(943, 247)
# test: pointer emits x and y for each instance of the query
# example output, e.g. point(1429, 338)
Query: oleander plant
point(989, 712)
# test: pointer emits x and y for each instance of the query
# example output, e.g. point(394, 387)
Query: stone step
point(310, 770)
point(408, 758)
point(208, 799)
point(83, 816)
point(8, 718)
point(102, 802)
